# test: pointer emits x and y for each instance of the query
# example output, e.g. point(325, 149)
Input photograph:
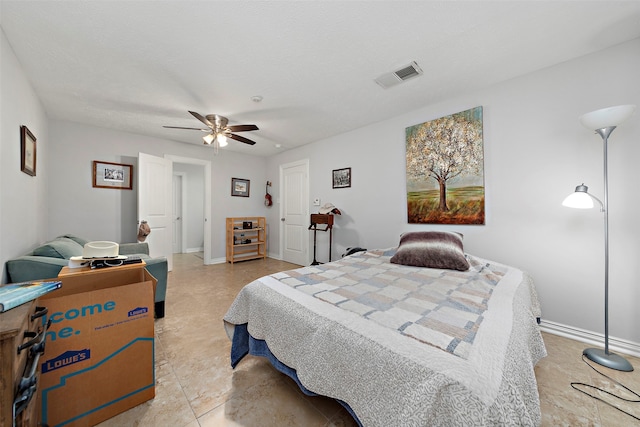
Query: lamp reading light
point(581, 199)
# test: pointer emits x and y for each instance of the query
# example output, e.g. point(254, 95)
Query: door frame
point(207, 199)
point(283, 201)
point(183, 208)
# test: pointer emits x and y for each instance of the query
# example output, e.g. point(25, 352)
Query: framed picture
point(112, 175)
point(240, 187)
point(27, 151)
point(342, 178)
point(445, 170)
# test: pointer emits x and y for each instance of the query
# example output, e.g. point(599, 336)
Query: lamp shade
point(222, 140)
point(605, 117)
point(208, 139)
point(580, 199)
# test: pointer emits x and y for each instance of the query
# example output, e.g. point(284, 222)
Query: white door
point(177, 213)
point(155, 203)
point(294, 212)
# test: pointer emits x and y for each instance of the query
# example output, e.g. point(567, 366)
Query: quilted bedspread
point(404, 345)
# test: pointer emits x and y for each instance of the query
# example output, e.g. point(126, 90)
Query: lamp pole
point(605, 358)
point(604, 133)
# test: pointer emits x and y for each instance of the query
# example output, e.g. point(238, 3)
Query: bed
point(400, 344)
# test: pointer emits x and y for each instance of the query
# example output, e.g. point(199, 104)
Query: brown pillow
point(433, 249)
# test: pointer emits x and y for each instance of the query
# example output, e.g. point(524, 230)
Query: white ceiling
point(138, 65)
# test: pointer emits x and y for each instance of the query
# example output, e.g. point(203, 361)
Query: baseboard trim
point(190, 250)
point(274, 256)
point(616, 345)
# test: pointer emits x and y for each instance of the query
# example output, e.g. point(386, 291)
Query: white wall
point(23, 198)
point(233, 165)
point(536, 152)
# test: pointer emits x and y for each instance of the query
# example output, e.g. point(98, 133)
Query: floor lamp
point(603, 121)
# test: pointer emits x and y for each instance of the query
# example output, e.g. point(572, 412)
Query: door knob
point(282, 219)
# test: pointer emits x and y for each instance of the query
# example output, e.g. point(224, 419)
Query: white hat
point(328, 207)
point(100, 250)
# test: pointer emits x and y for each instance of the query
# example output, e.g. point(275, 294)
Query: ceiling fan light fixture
point(208, 139)
point(219, 130)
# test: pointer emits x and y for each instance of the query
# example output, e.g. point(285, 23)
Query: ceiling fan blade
point(180, 127)
point(242, 128)
point(202, 119)
point(240, 138)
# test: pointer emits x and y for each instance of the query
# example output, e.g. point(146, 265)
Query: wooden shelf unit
point(237, 250)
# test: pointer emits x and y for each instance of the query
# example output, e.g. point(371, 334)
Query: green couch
point(46, 261)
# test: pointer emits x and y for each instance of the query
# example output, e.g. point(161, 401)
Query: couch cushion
point(61, 247)
point(78, 240)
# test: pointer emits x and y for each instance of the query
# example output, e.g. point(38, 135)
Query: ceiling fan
point(218, 130)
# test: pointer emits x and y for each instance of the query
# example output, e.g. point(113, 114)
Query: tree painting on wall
point(445, 170)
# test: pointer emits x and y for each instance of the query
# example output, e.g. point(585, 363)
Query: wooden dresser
point(22, 336)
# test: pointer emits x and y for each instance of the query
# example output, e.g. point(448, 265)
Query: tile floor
point(196, 387)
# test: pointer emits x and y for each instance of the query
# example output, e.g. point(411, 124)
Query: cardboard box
point(99, 352)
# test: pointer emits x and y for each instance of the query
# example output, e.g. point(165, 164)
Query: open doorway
point(192, 205)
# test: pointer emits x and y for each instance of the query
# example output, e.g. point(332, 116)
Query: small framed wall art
point(342, 178)
point(240, 187)
point(112, 175)
point(27, 151)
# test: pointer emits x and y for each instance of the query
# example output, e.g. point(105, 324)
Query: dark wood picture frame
point(27, 151)
point(117, 176)
point(240, 187)
point(341, 178)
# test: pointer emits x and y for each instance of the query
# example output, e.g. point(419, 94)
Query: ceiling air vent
point(398, 76)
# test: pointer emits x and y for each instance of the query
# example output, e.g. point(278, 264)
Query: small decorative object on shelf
point(246, 238)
